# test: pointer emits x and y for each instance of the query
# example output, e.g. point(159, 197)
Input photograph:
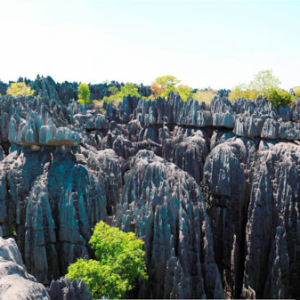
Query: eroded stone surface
point(164, 206)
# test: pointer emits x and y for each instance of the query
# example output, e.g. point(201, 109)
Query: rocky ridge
point(212, 189)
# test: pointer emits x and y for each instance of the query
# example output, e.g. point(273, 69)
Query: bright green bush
point(84, 93)
point(119, 263)
point(128, 89)
point(279, 97)
point(184, 91)
point(19, 89)
point(113, 89)
point(297, 91)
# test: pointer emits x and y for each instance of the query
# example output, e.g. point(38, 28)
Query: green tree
point(128, 89)
point(297, 91)
point(279, 97)
point(184, 91)
point(119, 263)
point(84, 93)
point(263, 81)
point(19, 89)
point(165, 84)
point(113, 89)
point(167, 81)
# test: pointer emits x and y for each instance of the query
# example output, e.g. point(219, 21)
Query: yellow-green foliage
point(263, 81)
point(120, 261)
point(19, 89)
point(113, 99)
point(297, 91)
point(113, 89)
point(165, 84)
point(167, 81)
point(84, 93)
point(184, 91)
point(243, 91)
point(117, 96)
point(279, 97)
point(128, 89)
point(98, 104)
point(204, 96)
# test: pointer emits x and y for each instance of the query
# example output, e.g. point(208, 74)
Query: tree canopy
point(19, 89)
point(264, 84)
point(297, 91)
point(167, 81)
point(119, 263)
point(165, 84)
point(84, 93)
point(129, 89)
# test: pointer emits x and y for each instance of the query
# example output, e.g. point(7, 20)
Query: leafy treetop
point(19, 89)
point(84, 93)
point(167, 81)
point(113, 89)
point(297, 91)
point(263, 81)
point(119, 263)
point(266, 85)
point(164, 84)
point(129, 89)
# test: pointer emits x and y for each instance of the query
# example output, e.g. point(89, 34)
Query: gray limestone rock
point(227, 172)
point(248, 126)
point(223, 120)
point(272, 232)
point(220, 136)
point(53, 205)
point(164, 206)
point(15, 282)
point(65, 289)
point(289, 130)
point(190, 154)
point(270, 129)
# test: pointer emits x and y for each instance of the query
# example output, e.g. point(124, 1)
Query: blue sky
point(202, 43)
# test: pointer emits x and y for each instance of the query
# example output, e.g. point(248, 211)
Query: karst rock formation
point(213, 190)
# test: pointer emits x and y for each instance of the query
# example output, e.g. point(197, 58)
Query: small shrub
point(243, 91)
point(19, 89)
point(279, 97)
point(113, 89)
point(204, 96)
point(84, 93)
point(119, 263)
point(297, 91)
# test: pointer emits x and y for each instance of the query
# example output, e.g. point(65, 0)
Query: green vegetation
point(184, 91)
point(84, 93)
point(297, 91)
point(19, 89)
point(117, 95)
point(205, 96)
point(165, 84)
point(113, 89)
point(119, 263)
point(279, 97)
point(129, 89)
point(266, 85)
